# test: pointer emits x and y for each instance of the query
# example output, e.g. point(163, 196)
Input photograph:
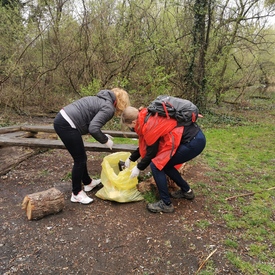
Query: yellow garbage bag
point(117, 185)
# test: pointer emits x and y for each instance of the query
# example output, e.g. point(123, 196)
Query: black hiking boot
point(183, 195)
point(160, 206)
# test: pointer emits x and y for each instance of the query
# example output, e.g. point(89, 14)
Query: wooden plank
point(14, 134)
point(50, 129)
point(9, 129)
point(11, 156)
point(57, 144)
point(17, 134)
point(38, 128)
point(121, 134)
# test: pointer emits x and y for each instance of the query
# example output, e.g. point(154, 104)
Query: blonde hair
point(122, 100)
point(129, 115)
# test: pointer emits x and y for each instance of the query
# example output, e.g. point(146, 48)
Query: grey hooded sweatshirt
point(89, 114)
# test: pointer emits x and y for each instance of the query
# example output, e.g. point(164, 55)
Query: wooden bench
point(25, 135)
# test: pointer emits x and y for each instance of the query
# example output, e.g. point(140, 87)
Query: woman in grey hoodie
point(87, 116)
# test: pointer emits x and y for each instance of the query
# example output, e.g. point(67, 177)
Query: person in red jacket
point(164, 145)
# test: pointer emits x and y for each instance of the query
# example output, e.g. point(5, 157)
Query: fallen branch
point(203, 263)
point(248, 194)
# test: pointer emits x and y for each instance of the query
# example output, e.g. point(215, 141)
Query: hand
point(109, 136)
point(135, 172)
point(127, 163)
point(109, 144)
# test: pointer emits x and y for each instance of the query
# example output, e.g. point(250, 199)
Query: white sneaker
point(81, 197)
point(92, 185)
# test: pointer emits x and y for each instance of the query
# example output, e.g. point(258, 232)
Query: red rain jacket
point(157, 127)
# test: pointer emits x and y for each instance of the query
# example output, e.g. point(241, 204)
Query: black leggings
point(73, 141)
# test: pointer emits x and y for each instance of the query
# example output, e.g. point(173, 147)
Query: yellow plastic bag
point(117, 185)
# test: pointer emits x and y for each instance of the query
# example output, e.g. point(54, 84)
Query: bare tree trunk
point(196, 80)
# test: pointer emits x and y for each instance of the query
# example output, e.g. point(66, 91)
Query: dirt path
point(104, 237)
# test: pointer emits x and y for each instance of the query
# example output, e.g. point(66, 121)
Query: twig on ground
point(203, 263)
point(248, 194)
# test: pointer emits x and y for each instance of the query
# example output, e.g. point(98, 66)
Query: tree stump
point(41, 204)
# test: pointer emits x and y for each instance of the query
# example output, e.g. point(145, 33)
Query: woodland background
point(218, 53)
point(55, 51)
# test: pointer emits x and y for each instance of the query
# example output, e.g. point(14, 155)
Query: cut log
point(41, 204)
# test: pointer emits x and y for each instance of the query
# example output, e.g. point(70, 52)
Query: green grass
point(67, 177)
point(149, 196)
point(119, 140)
point(242, 158)
point(203, 224)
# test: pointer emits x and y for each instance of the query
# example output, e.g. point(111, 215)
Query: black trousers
point(73, 141)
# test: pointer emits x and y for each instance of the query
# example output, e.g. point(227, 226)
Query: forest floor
point(104, 237)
